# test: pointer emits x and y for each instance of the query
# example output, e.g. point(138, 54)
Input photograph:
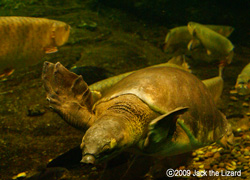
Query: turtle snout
point(88, 159)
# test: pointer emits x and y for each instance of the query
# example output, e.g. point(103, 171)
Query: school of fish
point(195, 35)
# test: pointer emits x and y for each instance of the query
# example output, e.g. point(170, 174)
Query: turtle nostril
point(88, 159)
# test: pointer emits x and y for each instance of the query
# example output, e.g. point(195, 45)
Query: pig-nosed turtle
point(157, 111)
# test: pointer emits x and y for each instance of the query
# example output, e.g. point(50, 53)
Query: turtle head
point(102, 141)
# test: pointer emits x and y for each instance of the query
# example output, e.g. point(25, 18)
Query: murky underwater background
point(110, 38)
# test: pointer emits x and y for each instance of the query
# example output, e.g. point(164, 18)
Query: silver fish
point(25, 40)
point(179, 37)
point(243, 81)
point(215, 44)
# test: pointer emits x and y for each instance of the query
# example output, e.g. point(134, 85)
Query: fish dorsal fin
point(163, 126)
point(180, 61)
point(52, 46)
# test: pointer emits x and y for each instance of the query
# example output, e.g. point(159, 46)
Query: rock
point(244, 176)
point(182, 168)
point(217, 155)
point(224, 156)
point(222, 165)
point(200, 173)
point(248, 148)
point(35, 110)
point(241, 159)
point(201, 157)
point(233, 98)
point(201, 166)
point(207, 166)
point(245, 104)
point(225, 151)
point(199, 152)
point(246, 152)
point(230, 168)
point(194, 154)
point(231, 157)
point(20, 175)
point(247, 98)
point(208, 154)
point(233, 92)
point(215, 162)
point(240, 167)
point(196, 166)
point(236, 155)
point(246, 167)
point(214, 150)
point(238, 130)
point(246, 137)
point(237, 148)
point(209, 148)
point(237, 140)
point(234, 151)
point(88, 25)
point(212, 163)
point(221, 149)
point(245, 164)
point(196, 159)
point(230, 104)
point(247, 143)
point(233, 163)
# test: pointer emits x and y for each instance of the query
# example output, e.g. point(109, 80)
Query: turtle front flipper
point(68, 95)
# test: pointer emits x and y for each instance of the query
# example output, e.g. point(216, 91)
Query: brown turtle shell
point(165, 89)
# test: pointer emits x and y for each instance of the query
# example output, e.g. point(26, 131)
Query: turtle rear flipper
point(68, 95)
